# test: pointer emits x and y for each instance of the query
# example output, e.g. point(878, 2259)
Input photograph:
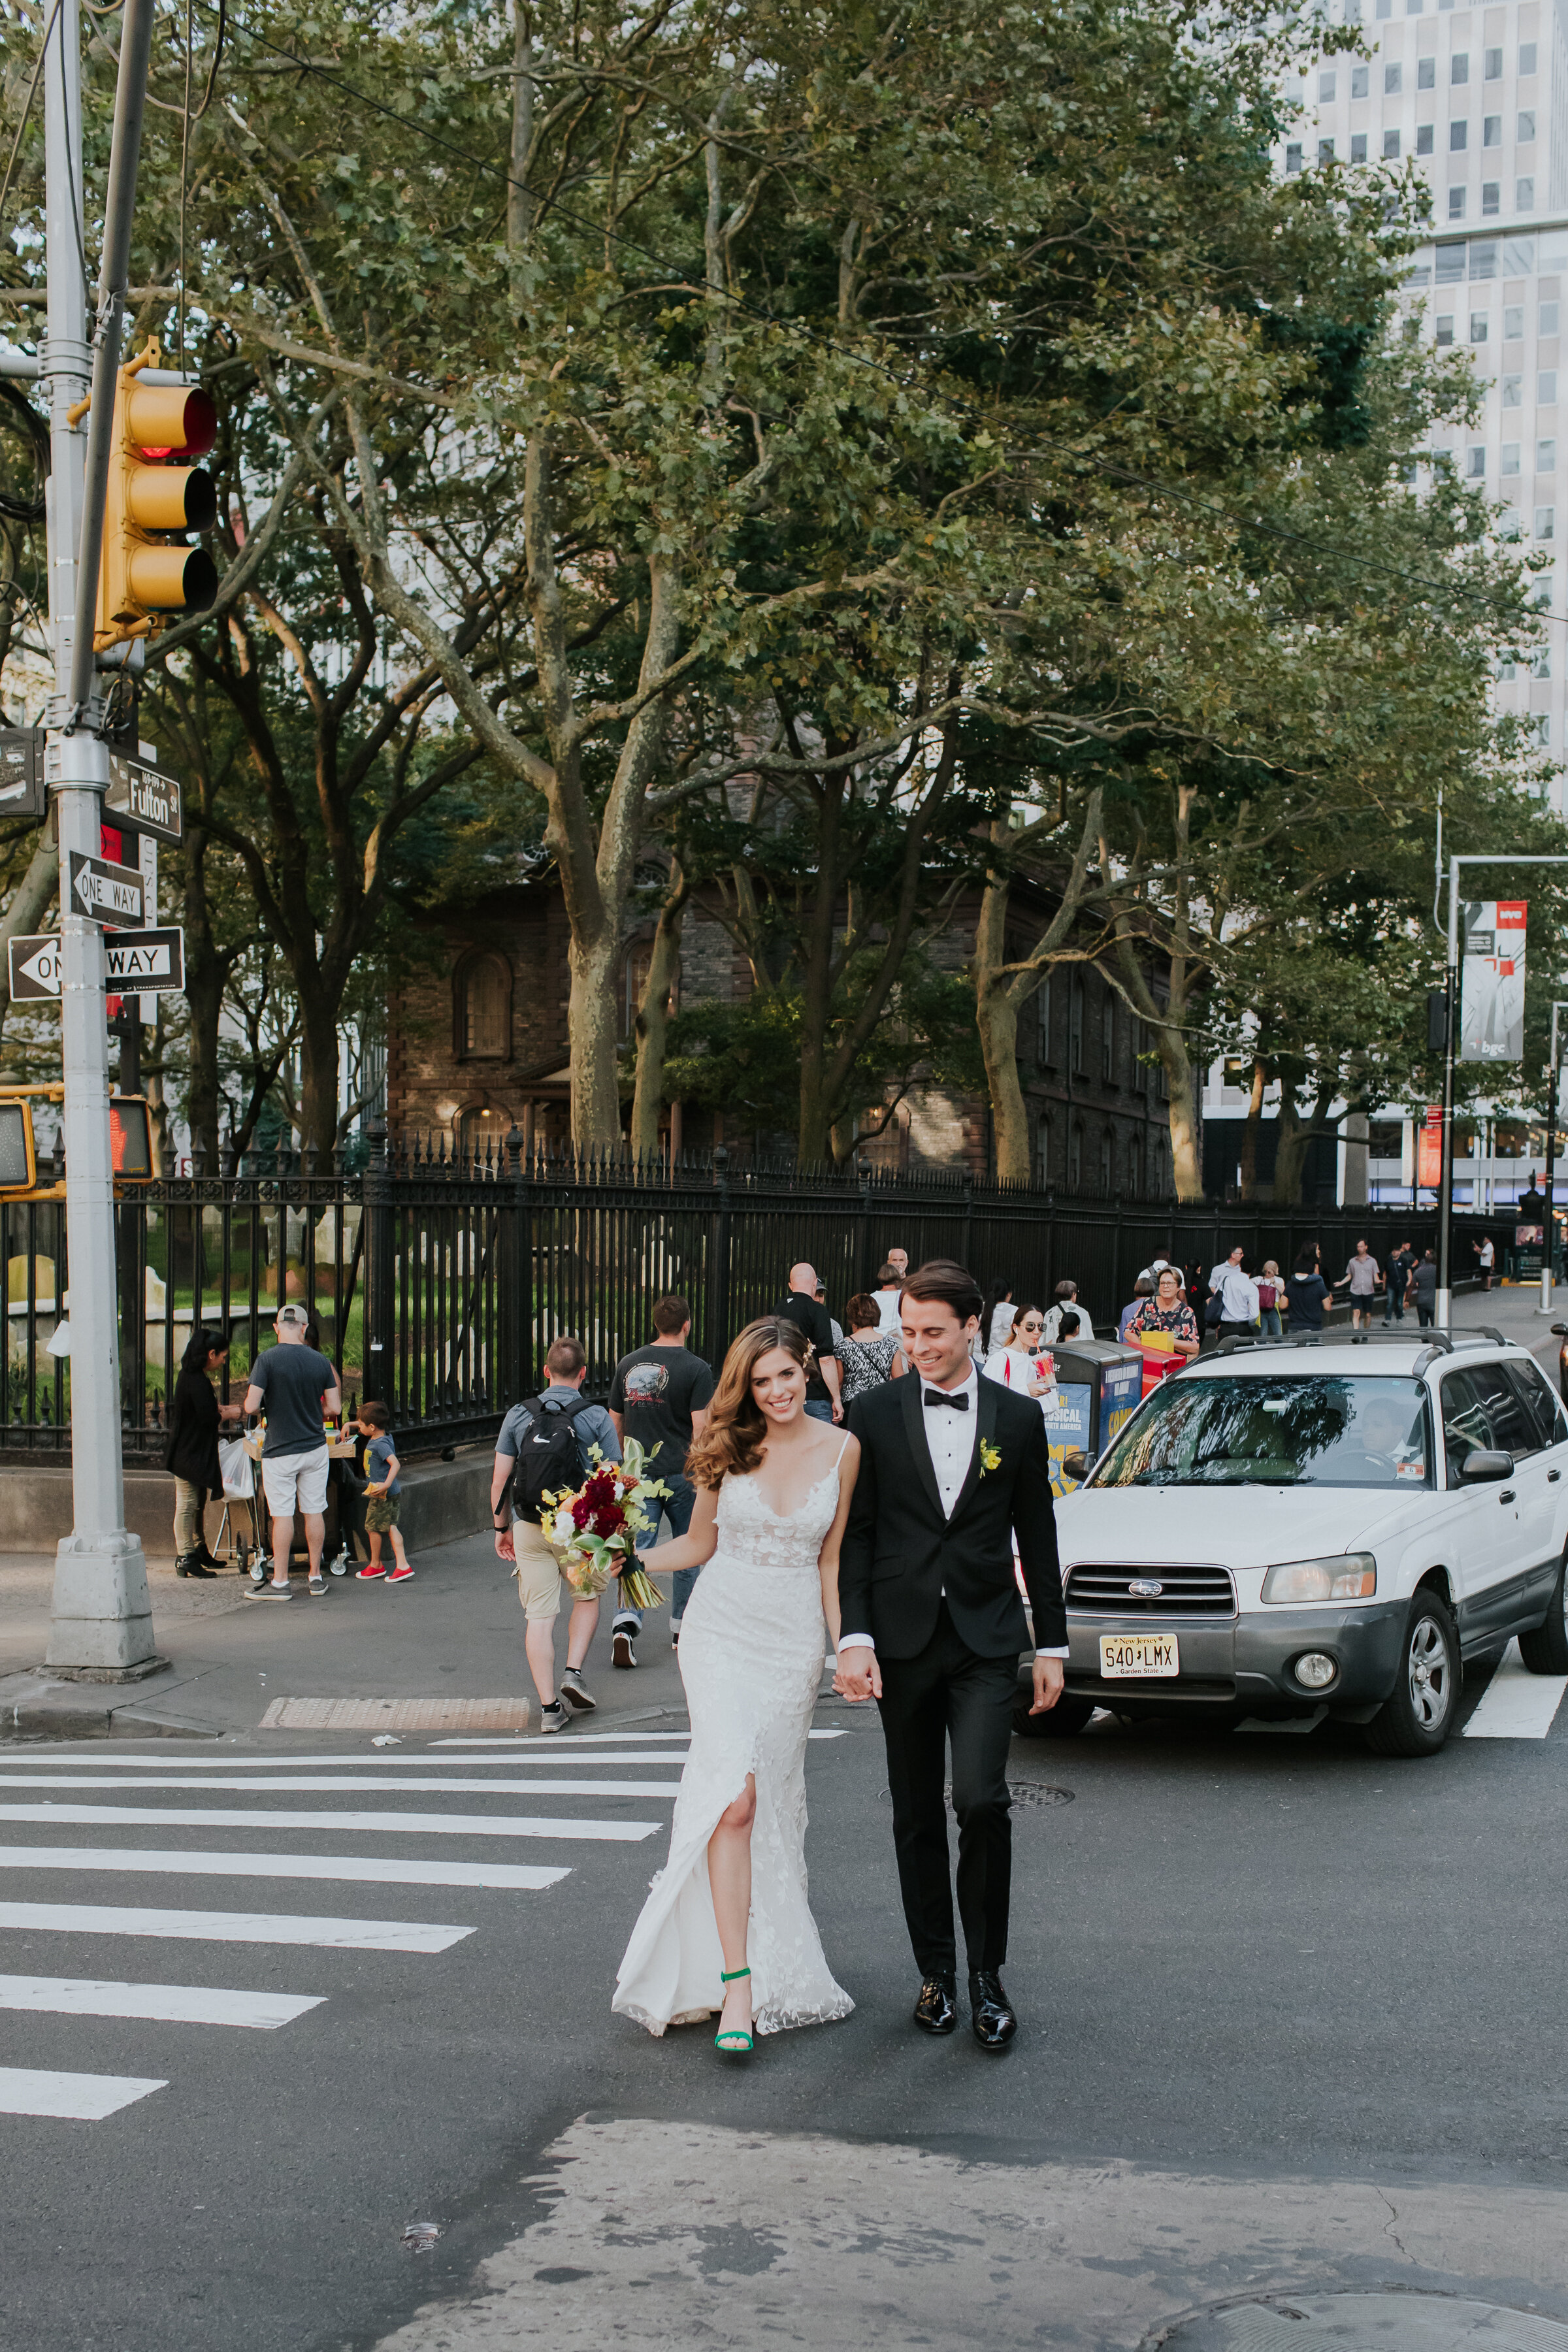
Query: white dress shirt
point(951, 1435)
point(1237, 1293)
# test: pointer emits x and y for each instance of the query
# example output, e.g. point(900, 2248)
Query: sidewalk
point(454, 1633)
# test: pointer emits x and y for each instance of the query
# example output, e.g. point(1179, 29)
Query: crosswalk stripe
point(165, 2004)
point(1516, 1704)
point(314, 1783)
point(417, 1761)
point(74, 2098)
point(267, 1817)
point(234, 1926)
point(553, 1739)
point(172, 1862)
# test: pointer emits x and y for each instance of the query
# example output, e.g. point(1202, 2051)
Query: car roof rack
point(1437, 1343)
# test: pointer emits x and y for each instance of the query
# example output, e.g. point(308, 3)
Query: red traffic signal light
point(147, 570)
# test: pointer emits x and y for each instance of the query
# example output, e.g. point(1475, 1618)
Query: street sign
point(110, 894)
point(149, 963)
point(22, 792)
point(146, 795)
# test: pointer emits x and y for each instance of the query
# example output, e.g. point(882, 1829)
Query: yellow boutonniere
point(990, 1456)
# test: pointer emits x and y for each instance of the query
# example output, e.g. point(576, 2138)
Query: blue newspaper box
point(1099, 1385)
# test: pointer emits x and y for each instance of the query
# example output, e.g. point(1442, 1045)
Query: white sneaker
point(554, 1718)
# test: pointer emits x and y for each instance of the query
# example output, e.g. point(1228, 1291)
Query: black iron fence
point(438, 1283)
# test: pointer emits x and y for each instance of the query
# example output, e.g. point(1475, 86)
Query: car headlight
point(1342, 1576)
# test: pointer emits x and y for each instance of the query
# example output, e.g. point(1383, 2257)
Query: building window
point(482, 994)
point(1456, 204)
point(1135, 1167)
point(1477, 326)
point(1043, 1021)
point(1043, 1151)
point(1105, 1151)
point(1541, 731)
point(1527, 56)
point(1424, 139)
point(1426, 73)
point(1445, 330)
point(1546, 456)
point(1392, 77)
point(1459, 66)
point(1491, 198)
point(1075, 1154)
point(1513, 391)
point(1544, 518)
point(1325, 88)
point(1293, 158)
point(1513, 322)
point(1511, 457)
point(1458, 137)
point(1358, 147)
point(1494, 65)
point(1546, 319)
point(1541, 663)
point(1390, 147)
point(1075, 1024)
point(1526, 133)
point(1546, 388)
point(1108, 1044)
point(1524, 195)
point(1325, 151)
point(1491, 130)
point(1477, 466)
point(1358, 81)
point(481, 1133)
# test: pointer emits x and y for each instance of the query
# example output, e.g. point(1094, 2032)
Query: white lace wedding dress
point(752, 1648)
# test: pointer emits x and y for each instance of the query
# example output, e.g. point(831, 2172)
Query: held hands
point(1049, 1676)
point(857, 1676)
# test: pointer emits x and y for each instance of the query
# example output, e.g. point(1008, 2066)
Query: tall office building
point(1478, 97)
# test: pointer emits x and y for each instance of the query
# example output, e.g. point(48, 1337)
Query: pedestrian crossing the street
point(260, 1816)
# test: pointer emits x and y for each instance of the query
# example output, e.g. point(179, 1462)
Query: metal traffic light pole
point(1446, 1192)
point(101, 1624)
point(1559, 1004)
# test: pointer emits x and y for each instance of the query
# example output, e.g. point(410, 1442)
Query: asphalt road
point(1252, 1959)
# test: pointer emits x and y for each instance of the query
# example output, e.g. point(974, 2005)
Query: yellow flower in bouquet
point(593, 1527)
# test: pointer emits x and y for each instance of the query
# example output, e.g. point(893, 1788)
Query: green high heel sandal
point(736, 2043)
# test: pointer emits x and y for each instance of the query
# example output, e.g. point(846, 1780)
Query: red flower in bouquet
point(610, 1521)
point(582, 1511)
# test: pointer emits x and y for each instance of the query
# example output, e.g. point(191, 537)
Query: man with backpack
point(544, 1445)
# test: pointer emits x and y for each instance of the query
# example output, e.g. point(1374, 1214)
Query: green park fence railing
point(439, 1282)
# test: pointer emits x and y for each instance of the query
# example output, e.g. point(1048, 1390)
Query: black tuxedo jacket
point(899, 1554)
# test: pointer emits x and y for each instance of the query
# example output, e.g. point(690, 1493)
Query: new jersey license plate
point(1131, 1656)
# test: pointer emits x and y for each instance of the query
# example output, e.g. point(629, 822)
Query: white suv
point(1333, 1521)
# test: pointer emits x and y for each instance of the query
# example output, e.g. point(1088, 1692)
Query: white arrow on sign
point(109, 892)
point(42, 968)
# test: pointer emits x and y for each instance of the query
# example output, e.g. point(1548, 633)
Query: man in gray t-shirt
point(297, 1389)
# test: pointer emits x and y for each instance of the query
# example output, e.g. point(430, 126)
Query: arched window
point(1043, 1151)
point(1075, 1024)
point(1135, 1167)
point(1105, 1150)
point(481, 1008)
point(483, 1131)
point(1075, 1154)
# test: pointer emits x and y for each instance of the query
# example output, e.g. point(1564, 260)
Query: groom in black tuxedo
point(952, 1466)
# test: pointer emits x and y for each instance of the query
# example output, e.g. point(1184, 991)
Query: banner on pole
point(1429, 1149)
point(1491, 980)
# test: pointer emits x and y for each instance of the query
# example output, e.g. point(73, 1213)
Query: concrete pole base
point(101, 1626)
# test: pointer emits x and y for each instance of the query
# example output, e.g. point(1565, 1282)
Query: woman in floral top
point(1167, 1311)
point(869, 1355)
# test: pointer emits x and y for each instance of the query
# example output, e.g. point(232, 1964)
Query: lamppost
point(1445, 1303)
point(1559, 1004)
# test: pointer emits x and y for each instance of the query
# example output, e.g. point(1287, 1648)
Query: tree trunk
point(653, 1016)
point(594, 962)
point(319, 1073)
point(29, 903)
point(152, 1087)
point(1254, 1120)
point(813, 1145)
point(1187, 1143)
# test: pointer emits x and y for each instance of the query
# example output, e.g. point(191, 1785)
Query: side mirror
point(1076, 1465)
point(1481, 1466)
point(1560, 1328)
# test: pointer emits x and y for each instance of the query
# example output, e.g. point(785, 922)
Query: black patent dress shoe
point(991, 2013)
point(936, 2012)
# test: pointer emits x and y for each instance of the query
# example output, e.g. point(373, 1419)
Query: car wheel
point(1545, 1651)
point(1416, 1717)
point(1063, 1721)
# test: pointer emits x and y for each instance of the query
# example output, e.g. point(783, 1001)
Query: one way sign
point(145, 963)
point(110, 894)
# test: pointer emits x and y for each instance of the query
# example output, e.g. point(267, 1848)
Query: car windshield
point(1310, 1429)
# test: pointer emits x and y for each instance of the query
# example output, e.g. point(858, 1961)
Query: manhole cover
point(1023, 1792)
point(1367, 2323)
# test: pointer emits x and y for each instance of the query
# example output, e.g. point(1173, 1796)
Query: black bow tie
point(960, 1403)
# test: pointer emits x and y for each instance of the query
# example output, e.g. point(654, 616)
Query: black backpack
point(547, 1453)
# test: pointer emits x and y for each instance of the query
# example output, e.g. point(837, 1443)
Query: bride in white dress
point(727, 1924)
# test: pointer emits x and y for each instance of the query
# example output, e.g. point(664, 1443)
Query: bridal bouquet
point(592, 1527)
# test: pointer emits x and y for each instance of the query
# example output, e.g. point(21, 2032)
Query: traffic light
point(147, 570)
point(18, 1157)
point(130, 1144)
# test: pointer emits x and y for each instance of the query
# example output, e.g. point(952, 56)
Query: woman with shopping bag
point(196, 1417)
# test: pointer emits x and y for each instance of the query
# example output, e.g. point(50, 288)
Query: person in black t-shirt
point(802, 1306)
point(660, 1396)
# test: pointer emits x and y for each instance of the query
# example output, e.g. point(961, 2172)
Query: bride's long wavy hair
point(735, 1432)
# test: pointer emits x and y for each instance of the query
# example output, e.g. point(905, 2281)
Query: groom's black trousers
point(946, 1693)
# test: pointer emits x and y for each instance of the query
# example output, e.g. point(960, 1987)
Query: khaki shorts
point(296, 1475)
point(539, 1580)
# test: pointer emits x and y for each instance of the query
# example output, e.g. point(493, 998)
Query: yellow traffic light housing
point(147, 572)
point(130, 1144)
point(18, 1155)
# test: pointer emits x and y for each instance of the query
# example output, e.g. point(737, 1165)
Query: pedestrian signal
point(18, 1159)
point(130, 1144)
point(130, 1138)
point(147, 570)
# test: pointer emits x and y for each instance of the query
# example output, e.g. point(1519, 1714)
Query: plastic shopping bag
point(238, 1470)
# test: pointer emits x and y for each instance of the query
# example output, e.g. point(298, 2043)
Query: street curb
point(33, 1707)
